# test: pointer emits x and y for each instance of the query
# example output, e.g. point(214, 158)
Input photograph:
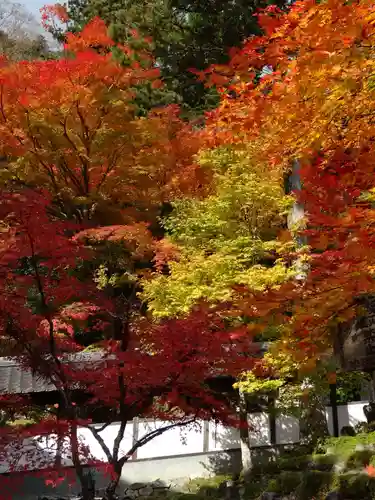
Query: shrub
point(323, 463)
point(359, 459)
point(255, 488)
point(356, 486)
point(314, 484)
point(296, 463)
point(344, 446)
point(348, 430)
point(271, 467)
point(286, 462)
point(361, 428)
point(288, 482)
point(207, 486)
point(273, 486)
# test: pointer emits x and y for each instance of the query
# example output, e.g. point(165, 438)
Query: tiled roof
point(15, 379)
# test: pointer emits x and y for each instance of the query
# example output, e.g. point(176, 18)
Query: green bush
point(305, 476)
point(271, 467)
point(273, 485)
point(286, 462)
point(323, 462)
point(361, 428)
point(255, 488)
point(297, 463)
point(288, 482)
point(356, 486)
point(208, 487)
point(174, 495)
point(314, 484)
point(359, 459)
point(348, 430)
point(344, 446)
point(343, 449)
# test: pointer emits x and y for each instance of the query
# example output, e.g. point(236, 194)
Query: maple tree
point(42, 297)
point(185, 34)
point(230, 237)
point(313, 104)
point(82, 187)
point(70, 125)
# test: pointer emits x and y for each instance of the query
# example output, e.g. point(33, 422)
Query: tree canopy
point(20, 36)
point(163, 245)
point(186, 35)
point(84, 181)
point(314, 105)
point(229, 238)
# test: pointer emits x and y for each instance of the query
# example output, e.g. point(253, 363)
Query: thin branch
point(64, 388)
point(100, 440)
point(150, 436)
point(86, 142)
point(75, 148)
point(111, 165)
point(104, 426)
point(122, 389)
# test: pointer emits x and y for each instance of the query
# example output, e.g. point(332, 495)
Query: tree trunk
point(59, 445)
point(333, 401)
point(86, 480)
point(110, 490)
point(88, 486)
point(313, 422)
point(244, 438)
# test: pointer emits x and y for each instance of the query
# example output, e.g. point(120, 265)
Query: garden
point(187, 234)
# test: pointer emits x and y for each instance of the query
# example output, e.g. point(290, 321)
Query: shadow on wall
point(350, 414)
point(12, 485)
point(227, 461)
point(224, 463)
point(32, 485)
point(287, 430)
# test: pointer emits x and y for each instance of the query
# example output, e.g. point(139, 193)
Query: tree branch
point(100, 440)
point(150, 436)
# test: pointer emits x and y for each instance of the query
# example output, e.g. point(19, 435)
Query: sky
point(34, 5)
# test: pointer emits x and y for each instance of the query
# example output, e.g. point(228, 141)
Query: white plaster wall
point(329, 420)
point(356, 414)
point(349, 414)
point(109, 435)
point(287, 430)
point(259, 429)
point(175, 441)
point(222, 438)
point(31, 454)
point(39, 453)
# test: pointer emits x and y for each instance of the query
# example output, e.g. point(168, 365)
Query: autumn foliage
point(157, 371)
point(84, 179)
point(70, 125)
point(313, 103)
point(302, 93)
